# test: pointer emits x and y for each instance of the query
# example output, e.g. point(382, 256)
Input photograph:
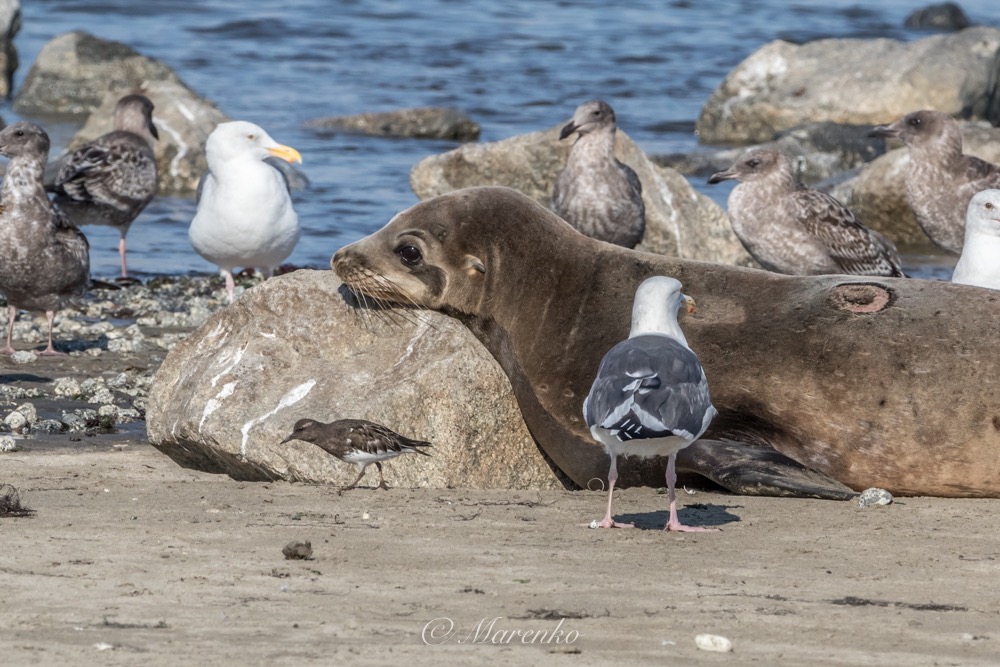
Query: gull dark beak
point(288, 439)
point(152, 129)
point(888, 131)
point(569, 129)
point(720, 176)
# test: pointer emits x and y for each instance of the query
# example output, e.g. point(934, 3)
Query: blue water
point(514, 66)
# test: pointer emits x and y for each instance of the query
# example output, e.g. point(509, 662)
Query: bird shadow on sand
point(700, 514)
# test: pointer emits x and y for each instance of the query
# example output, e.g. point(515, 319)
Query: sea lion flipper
point(758, 471)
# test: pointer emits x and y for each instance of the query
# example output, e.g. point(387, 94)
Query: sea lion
point(874, 382)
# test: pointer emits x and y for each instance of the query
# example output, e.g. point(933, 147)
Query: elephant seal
point(886, 382)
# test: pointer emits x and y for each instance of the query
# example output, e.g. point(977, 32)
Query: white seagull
point(650, 396)
point(980, 261)
point(245, 215)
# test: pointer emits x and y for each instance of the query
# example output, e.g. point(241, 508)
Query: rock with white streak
point(227, 395)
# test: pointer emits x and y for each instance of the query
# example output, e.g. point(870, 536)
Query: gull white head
point(239, 139)
point(654, 310)
point(980, 261)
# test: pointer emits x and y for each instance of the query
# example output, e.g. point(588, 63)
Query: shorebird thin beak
point(286, 153)
point(689, 304)
point(568, 129)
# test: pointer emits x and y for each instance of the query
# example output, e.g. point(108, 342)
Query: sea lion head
point(445, 253)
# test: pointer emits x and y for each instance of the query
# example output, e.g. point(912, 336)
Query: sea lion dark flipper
point(758, 471)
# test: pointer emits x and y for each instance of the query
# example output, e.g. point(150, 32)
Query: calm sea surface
point(515, 66)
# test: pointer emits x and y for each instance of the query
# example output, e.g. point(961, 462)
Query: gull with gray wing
point(650, 396)
point(980, 261)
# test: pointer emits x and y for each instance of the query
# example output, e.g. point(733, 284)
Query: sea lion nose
point(340, 257)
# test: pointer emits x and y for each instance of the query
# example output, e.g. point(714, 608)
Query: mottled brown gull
point(650, 396)
point(980, 261)
point(793, 229)
point(595, 192)
point(357, 441)
point(44, 259)
point(941, 179)
point(110, 180)
point(245, 215)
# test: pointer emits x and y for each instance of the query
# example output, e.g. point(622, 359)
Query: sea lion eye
point(19, 133)
point(410, 255)
point(753, 163)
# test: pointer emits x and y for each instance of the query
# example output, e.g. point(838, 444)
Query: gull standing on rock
point(357, 441)
point(244, 215)
point(44, 259)
point(650, 396)
point(980, 261)
point(110, 180)
point(595, 192)
point(941, 179)
point(793, 229)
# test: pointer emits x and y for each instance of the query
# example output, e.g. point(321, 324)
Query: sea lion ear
point(474, 264)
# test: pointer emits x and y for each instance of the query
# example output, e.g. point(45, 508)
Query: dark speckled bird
point(44, 259)
point(110, 180)
point(596, 193)
point(941, 180)
point(793, 229)
point(357, 441)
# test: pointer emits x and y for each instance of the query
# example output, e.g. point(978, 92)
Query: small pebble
point(298, 551)
point(23, 357)
point(874, 496)
point(714, 643)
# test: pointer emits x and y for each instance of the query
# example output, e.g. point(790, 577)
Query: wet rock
point(822, 150)
point(67, 386)
point(679, 221)
point(227, 395)
point(859, 81)
point(877, 193)
point(8, 444)
point(21, 418)
point(943, 16)
point(10, 24)
point(184, 121)
point(420, 123)
point(48, 426)
point(75, 70)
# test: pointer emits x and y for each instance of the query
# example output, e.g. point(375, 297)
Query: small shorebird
point(357, 441)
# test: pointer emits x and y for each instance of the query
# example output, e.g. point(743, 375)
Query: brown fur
point(876, 382)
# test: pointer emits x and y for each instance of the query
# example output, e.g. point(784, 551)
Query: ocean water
point(515, 67)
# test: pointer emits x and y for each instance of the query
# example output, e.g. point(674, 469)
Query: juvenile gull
point(357, 441)
point(110, 180)
point(244, 215)
point(650, 396)
point(44, 259)
point(980, 261)
point(595, 192)
point(941, 179)
point(793, 229)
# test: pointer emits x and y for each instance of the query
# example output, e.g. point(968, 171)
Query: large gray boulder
point(74, 71)
point(860, 81)
point(10, 24)
point(877, 193)
point(418, 123)
point(292, 347)
point(184, 121)
point(679, 221)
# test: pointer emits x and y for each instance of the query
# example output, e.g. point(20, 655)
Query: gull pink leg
point(608, 522)
point(121, 251)
point(50, 315)
point(230, 283)
point(11, 315)
point(674, 523)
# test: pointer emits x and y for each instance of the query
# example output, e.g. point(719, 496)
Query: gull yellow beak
point(689, 304)
point(286, 153)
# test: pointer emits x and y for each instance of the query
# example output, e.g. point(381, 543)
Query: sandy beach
point(129, 558)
